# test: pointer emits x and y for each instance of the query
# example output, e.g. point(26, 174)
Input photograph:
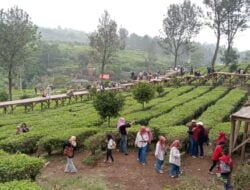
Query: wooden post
point(236, 132)
point(243, 149)
point(232, 136)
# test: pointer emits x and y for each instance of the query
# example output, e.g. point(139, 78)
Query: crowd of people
point(197, 137)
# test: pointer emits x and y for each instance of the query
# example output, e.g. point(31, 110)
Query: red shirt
point(196, 133)
point(218, 152)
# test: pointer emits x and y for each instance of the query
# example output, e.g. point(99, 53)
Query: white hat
point(193, 121)
point(200, 123)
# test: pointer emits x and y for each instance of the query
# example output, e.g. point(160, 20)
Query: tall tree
point(105, 41)
point(17, 37)
point(216, 17)
point(181, 24)
point(123, 34)
point(150, 54)
point(237, 14)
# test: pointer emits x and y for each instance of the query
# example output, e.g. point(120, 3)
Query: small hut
point(239, 119)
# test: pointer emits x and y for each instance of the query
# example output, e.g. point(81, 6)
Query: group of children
point(143, 139)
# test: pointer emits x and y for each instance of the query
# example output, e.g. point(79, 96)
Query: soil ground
point(127, 174)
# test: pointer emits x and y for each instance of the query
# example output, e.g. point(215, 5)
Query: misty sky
point(138, 16)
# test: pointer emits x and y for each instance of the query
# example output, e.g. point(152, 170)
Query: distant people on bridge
point(175, 159)
point(197, 73)
point(217, 153)
point(70, 93)
point(122, 127)
point(221, 138)
point(110, 146)
point(160, 151)
point(191, 70)
point(68, 151)
point(22, 128)
point(141, 142)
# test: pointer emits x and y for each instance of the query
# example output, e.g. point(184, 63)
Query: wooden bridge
point(170, 78)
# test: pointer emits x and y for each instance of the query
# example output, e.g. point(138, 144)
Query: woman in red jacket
point(218, 152)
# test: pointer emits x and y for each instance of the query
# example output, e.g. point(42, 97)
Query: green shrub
point(25, 96)
point(93, 158)
point(20, 185)
point(241, 177)
point(159, 89)
point(19, 166)
point(3, 96)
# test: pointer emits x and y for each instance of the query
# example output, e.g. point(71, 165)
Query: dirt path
point(127, 174)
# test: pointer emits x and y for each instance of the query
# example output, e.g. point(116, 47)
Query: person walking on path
point(196, 131)
point(226, 166)
point(175, 159)
point(218, 152)
point(122, 127)
point(141, 142)
point(68, 150)
point(160, 151)
point(110, 146)
point(191, 126)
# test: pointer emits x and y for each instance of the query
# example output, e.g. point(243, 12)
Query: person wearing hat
point(201, 139)
point(196, 132)
point(160, 153)
point(191, 126)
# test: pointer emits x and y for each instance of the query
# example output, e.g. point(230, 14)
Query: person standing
point(221, 138)
point(160, 154)
point(191, 126)
point(141, 142)
point(122, 127)
point(201, 139)
point(175, 159)
point(196, 131)
point(110, 146)
point(68, 150)
point(218, 152)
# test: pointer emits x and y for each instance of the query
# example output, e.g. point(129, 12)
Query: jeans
point(174, 170)
point(70, 167)
point(226, 180)
point(123, 144)
point(195, 148)
point(201, 150)
point(190, 145)
point(142, 153)
point(158, 164)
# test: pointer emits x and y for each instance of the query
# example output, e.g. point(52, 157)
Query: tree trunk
point(175, 59)
point(109, 121)
point(102, 72)
point(216, 49)
point(10, 82)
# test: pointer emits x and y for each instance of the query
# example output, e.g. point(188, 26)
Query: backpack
point(225, 168)
point(113, 145)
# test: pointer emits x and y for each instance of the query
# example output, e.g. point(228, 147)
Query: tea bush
point(20, 185)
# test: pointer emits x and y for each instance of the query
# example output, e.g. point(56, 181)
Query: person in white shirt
point(175, 159)
point(110, 147)
point(160, 154)
point(141, 142)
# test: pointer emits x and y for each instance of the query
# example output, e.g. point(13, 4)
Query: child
point(160, 154)
point(110, 147)
point(175, 159)
point(226, 166)
point(218, 152)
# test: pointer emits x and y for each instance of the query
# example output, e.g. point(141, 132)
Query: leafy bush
point(93, 158)
point(25, 96)
point(19, 166)
point(20, 185)
point(3, 96)
point(108, 104)
point(143, 93)
point(159, 89)
point(241, 177)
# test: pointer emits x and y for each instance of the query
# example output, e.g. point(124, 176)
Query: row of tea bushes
point(223, 108)
point(18, 167)
point(20, 185)
point(188, 111)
